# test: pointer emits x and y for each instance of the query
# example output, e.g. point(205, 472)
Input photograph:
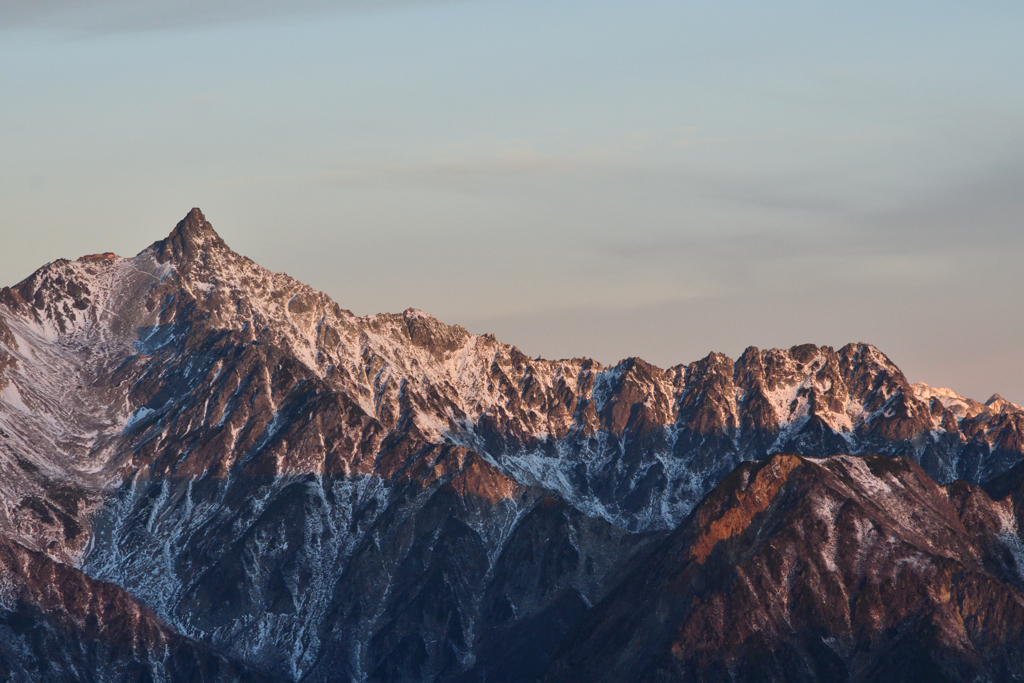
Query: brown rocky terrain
point(57, 624)
point(324, 496)
point(800, 569)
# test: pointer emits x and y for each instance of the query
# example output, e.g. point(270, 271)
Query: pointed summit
point(192, 237)
point(1000, 405)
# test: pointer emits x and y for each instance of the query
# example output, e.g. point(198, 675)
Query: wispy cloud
point(635, 157)
point(458, 169)
point(103, 16)
point(984, 209)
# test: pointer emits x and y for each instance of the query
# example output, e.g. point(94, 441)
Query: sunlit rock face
point(839, 569)
point(319, 496)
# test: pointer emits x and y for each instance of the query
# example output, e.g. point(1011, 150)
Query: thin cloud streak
point(113, 16)
point(525, 162)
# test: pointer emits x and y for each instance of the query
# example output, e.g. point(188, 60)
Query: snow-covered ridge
point(633, 443)
point(165, 416)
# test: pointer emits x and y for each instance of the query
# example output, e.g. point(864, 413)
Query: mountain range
point(212, 472)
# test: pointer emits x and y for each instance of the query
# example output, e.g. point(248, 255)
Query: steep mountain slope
point(323, 495)
point(797, 569)
point(57, 624)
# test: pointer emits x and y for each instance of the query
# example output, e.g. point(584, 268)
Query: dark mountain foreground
point(213, 472)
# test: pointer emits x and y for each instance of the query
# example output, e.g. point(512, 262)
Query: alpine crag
point(253, 482)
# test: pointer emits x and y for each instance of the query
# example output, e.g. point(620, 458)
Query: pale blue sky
point(581, 178)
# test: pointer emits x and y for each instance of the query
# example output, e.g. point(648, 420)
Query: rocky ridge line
point(249, 459)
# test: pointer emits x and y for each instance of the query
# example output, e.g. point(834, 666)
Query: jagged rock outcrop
point(57, 624)
point(322, 495)
point(797, 569)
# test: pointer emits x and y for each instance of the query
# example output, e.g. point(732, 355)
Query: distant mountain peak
point(319, 495)
point(998, 404)
point(190, 239)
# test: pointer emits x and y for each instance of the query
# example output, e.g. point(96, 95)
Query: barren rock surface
point(319, 496)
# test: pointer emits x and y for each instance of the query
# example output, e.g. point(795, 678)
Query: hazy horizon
point(598, 179)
